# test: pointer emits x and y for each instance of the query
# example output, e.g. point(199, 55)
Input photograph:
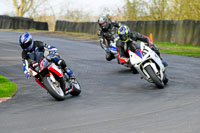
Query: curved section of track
point(112, 99)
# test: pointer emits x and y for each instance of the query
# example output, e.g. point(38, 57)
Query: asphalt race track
point(113, 100)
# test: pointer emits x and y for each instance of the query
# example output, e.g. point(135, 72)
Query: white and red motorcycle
point(149, 65)
point(51, 77)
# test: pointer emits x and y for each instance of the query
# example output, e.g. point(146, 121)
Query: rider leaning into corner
point(107, 30)
point(30, 50)
point(129, 41)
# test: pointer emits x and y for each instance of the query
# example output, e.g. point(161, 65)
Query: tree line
point(161, 10)
point(132, 10)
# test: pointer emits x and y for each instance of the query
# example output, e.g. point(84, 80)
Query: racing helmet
point(26, 41)
point(124, 33)
point(103, 22)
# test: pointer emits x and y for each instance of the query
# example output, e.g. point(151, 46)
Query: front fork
point(36, 80)
point(61, 81)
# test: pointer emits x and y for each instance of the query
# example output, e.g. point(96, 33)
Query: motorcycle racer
point(32, 48)
point(129, 41)
point(106, 31)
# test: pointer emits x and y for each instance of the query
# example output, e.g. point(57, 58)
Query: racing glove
point(26, 72)
point(27, 75)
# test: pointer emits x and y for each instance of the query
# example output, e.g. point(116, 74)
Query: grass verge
point(7, 88)
point(179, 49)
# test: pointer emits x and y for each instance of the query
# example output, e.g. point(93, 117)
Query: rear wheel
point(54, 89)
point(154, 77)
point(165, 81)
point(76, 88)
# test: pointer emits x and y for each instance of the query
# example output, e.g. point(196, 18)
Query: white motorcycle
point(149, 65)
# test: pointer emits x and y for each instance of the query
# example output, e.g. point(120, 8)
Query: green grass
point(179, 49)
point(7, 88)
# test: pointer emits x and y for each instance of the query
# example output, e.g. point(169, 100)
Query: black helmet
point(103, 22)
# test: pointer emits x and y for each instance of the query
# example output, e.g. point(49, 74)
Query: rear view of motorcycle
point(51, 77)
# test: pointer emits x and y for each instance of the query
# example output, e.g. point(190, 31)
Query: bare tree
point(22, 6)
point(34, 10)
point(70, 14)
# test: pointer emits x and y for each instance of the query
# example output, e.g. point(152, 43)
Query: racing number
point(145, 51)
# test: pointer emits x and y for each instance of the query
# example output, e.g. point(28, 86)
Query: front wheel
point(76, 88)
point(54, 88)
point(154, 77)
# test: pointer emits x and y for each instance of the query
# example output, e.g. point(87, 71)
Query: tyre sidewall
point(51, 90)
point(154, 77)
point(75, 91)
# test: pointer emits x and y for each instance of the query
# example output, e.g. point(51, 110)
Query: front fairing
point(43, 64)
point(55, 70)
point(142, 54)
point(144, 57)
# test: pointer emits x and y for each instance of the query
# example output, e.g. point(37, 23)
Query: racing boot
point(109, 55)
point(69, 72)
point(65, 69)
point(156, 50)
point(164, 62)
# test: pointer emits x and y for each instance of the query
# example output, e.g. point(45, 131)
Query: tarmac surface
point(113, 100)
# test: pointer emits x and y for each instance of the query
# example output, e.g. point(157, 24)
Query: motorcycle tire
point(154, 77)
point(165, 81)
point(76, 89)
point(56, 93)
